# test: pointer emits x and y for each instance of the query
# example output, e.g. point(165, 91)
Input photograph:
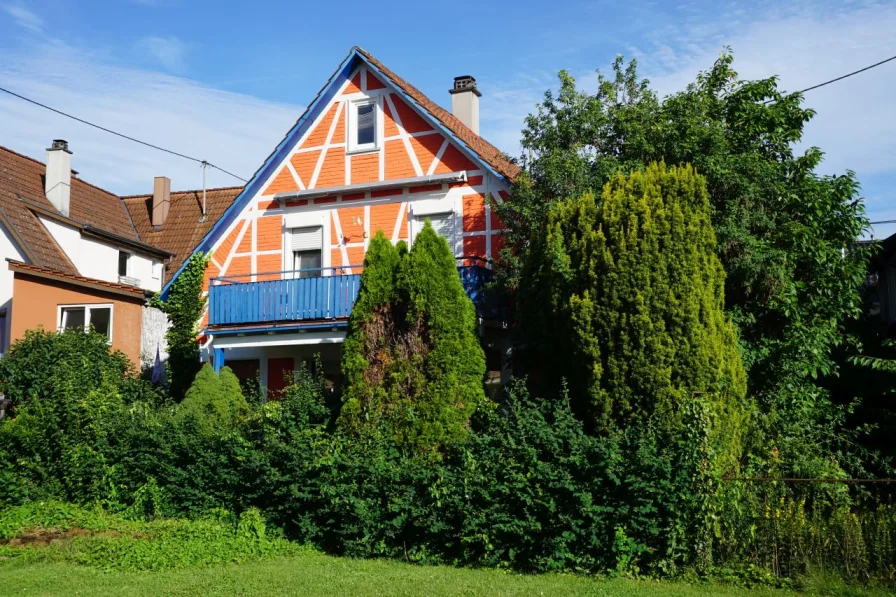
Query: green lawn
point(314, 574)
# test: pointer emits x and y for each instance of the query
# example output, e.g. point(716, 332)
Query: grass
point(316, 574)
point(52, 548)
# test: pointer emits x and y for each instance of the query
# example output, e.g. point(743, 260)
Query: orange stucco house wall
point(36, 304)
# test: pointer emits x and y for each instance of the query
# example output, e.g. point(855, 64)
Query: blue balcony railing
point(324, 294)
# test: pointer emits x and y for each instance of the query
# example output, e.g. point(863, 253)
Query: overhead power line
point(123, 136)
point(846, 76)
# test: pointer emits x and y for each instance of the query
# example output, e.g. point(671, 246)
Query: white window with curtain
point(307, 251)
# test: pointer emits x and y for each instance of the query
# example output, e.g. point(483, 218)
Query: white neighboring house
point(72, 252)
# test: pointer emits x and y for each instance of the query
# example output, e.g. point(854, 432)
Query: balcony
point(324, 295)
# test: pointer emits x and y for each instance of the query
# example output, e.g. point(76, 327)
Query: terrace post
point(218, 359)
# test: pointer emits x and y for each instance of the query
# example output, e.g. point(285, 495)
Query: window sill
point(362, 150)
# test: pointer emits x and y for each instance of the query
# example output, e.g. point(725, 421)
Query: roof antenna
point(204, 167)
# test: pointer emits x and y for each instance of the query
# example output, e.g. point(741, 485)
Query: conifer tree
point(412, 360)
point(628, 302)
point(215, 400)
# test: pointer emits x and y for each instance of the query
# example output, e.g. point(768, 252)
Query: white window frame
point(88, 307)
point(353, 105)
point(157, 268)
point(306, 219)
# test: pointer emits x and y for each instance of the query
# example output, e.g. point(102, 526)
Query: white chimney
point(465, 101)
point(58, 181)
point(161, 200)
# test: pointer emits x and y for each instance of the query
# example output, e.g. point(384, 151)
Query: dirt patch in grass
point(47, 537)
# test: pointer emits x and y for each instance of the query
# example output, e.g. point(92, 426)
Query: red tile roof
point(22, 194)
point(184, 228)
point(43, 272)
point(493, 156)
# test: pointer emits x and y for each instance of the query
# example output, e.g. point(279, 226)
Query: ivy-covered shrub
point(412, 360)
point(184, 306)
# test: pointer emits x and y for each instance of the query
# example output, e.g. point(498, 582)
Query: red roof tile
point(22, 193)
point(18, 266)
point(184, 228)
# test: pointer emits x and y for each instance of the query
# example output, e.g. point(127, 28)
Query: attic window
point(363, 121)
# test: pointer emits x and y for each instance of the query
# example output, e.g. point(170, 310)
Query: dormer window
point(363, 125)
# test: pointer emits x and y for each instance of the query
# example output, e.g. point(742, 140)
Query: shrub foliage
point(412, 359)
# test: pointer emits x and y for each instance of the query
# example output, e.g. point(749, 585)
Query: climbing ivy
point(184, 307)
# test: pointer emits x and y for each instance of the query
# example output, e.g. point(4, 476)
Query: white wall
point(155, 325)
point(8, 250)
point(99, 259)
point(67, 237)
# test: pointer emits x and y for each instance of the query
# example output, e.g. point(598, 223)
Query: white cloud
point(23, 17)
point(234, 131)
point(168, 51)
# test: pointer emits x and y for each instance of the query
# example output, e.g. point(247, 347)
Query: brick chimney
point(58, 180)
point(161, 200)
point(465, 101)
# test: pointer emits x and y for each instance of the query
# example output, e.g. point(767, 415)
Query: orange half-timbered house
point(370, 153)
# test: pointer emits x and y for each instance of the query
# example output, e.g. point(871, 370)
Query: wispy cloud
point(232, 130)
point(803, 42)
point(168, 51)
point(23, 17)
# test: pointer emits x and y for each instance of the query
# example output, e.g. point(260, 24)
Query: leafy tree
point(184, 307)
point(215, 400)
point(411, 358)
point(785, 234)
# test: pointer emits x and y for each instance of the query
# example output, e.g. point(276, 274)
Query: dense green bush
point(214, 400)
point(412, 360)
point(38, 364)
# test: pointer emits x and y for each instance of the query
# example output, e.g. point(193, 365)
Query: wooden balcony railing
point(323, 294)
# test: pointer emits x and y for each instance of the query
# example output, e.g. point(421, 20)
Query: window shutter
point(443, 224)
point(307, 239)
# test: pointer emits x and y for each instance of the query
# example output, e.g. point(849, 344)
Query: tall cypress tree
point(412, 361)
point(628, 303)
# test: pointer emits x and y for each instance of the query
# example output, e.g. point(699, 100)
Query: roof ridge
point(145, 195)
point(44, 164)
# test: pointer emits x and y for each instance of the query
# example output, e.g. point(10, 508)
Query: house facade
point(72, 257)
point(371, 153)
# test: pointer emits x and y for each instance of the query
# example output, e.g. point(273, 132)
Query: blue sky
point(224, 81)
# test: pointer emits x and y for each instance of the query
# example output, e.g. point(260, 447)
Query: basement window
point(84, 317)
point(363, 125)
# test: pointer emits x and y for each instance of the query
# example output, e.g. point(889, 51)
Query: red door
point(280, 374)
